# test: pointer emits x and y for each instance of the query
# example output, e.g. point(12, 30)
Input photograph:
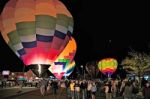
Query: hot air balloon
point(108, 66)
point(65, 61)
point(36, 30)
point(69, 69)
point(62, 69)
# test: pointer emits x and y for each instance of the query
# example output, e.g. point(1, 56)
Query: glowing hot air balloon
point(62, 69)
point(69, 69)
point(108, 66)
point(36, 30)
point(65, 61)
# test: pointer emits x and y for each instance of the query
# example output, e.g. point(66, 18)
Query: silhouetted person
point(54, 86)
point(146, 91)
point(43, 86)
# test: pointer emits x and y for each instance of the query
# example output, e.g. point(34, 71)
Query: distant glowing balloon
point(108, 66)
point(36, 30)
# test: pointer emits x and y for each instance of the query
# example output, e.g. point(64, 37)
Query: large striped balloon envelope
point(36, 30)
point(108, 66)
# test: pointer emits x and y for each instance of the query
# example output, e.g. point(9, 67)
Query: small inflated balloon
point(108, 66)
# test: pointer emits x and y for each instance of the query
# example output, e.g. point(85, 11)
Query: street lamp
point(81, 66)
point(82, 69)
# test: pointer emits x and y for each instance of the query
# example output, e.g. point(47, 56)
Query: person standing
point(135, 89)
point(146, 91)
point(43, 86)
point(114, 88)
point(77, 90)
point(93, 90)
point(48, 86)
point(89, 86)
point(72, 89)
point(108, 90)
point(67, 83)
point(127, 94)
point(54, 86)
point(0, 83)
point(83, 87)
point(122, 86)
point(62, 88)
point(20, 82)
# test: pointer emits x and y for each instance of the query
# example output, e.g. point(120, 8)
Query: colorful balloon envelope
point(69, 69)
point(36, 30)
point(60, 69)
point(108, 66)
point(64, 64)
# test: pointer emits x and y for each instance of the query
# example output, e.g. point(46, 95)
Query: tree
point(92, 69)
point(137, 63)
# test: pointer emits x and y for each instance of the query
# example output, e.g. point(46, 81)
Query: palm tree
point(137, 63)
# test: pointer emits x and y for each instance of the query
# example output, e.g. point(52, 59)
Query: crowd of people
point(90, 89)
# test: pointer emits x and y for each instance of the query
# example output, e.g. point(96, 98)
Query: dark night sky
point(96, 23)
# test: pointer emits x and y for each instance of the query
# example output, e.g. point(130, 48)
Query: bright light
point(146, 77)
point(36, 77)
point(58, 69)
point(13, 74)
point(39, 68)
point(40, 58)
point(5, 72)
